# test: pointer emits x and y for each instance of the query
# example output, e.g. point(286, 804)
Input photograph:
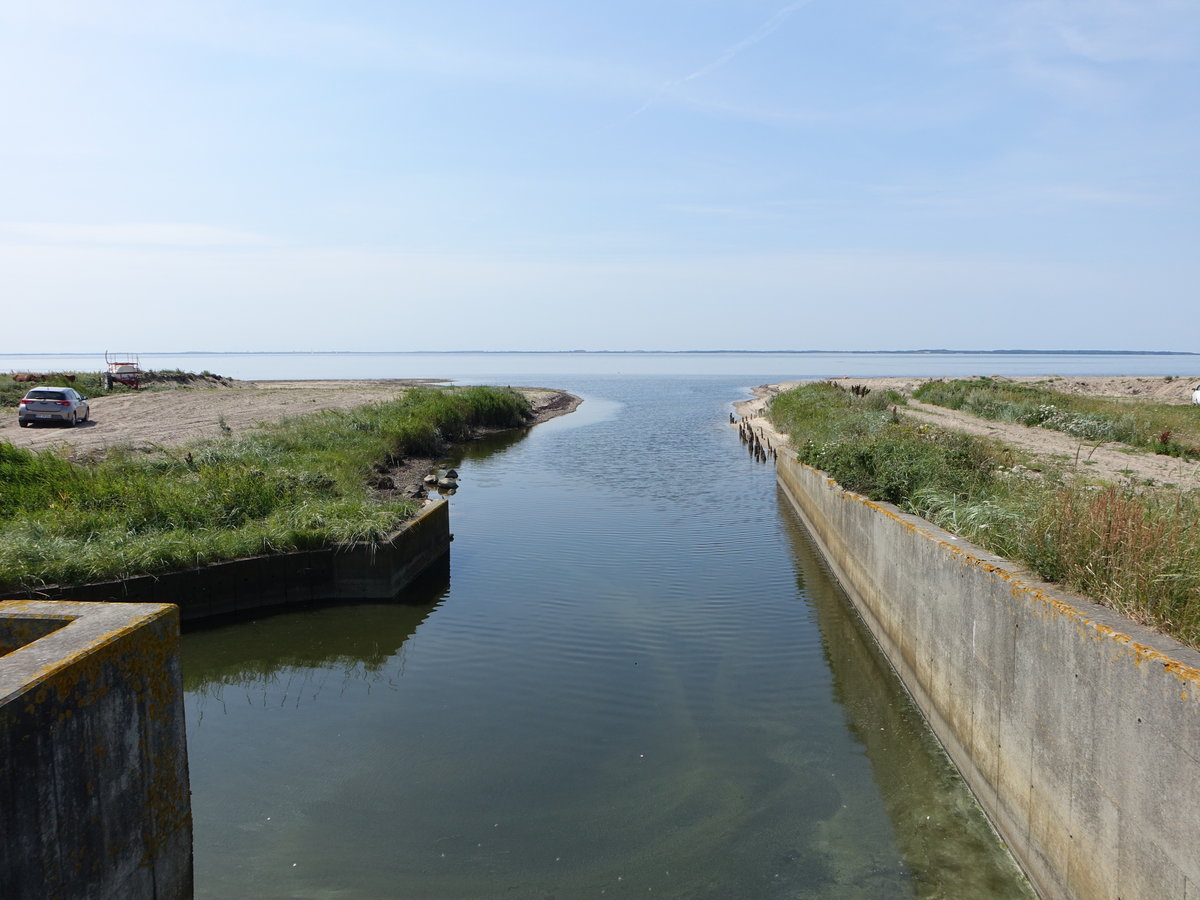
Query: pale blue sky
point(628, 175)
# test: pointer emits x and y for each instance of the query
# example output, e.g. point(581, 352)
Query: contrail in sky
point(763, 31)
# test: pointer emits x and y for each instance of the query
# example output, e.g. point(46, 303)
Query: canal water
point(633, 677)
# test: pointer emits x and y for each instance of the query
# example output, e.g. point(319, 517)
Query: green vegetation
point(1134, 550)
point(92, 384)
point(862, 443)
point(297, 484)
point(1170, 429)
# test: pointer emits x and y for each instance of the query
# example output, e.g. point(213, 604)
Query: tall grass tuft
point(1136, 552)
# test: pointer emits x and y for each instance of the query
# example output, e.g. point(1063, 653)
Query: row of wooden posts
point(756, 441)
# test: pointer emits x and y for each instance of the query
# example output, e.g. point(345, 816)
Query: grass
point(1170, 429)
point(292, 485)
point(1134, 550)
point(869, 449)
point(92, 384)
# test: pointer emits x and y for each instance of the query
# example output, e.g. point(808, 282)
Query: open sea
point(504, 367)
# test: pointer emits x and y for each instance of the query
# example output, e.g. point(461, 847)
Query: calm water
point(504, 367)
point(634, 678)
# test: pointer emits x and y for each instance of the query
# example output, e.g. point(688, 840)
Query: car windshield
point(45, 395)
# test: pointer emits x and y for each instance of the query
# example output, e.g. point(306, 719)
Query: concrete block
point(94, 799)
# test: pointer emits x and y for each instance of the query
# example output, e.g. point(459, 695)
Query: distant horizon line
point(922, 352)
point(430, 353)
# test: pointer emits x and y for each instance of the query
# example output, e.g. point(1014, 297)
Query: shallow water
point(634, 677)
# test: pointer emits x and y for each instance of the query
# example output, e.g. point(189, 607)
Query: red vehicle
point(123, 368)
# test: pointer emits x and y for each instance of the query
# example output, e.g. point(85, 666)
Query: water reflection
point(624, 691)
point(947, 843)
point(288, 656)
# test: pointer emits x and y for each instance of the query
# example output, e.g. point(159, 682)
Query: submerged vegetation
point(1134, 549)
point(296, 484)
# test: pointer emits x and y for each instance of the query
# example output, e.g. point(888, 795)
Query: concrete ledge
point(94, 798)
point(380, 571)
point(1077, 729)
point(358, 571)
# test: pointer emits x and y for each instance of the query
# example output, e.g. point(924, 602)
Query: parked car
point(53, 404)
point(1196, 394)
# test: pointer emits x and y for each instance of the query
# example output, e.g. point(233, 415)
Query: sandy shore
point(1105, 460)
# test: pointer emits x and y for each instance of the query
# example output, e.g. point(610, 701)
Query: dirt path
point(175, 416)
point(1110, 461)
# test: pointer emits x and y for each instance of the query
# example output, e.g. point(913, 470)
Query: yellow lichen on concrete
point(1046, 603)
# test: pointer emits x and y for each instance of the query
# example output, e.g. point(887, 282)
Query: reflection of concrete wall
point(360, 646)
point(360, 571)
point(94, 792)
point(1078, 730)
point(948, 846)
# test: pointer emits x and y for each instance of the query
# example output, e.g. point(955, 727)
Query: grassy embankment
point(1171, 429)
point(1134, 549)
point(297, 484)
point(92, 384)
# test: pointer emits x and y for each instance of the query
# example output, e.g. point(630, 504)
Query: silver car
point(53, 404)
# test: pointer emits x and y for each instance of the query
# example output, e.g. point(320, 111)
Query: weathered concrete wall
point(94, 797)
point(1078, 730)
point(379, 571)
point(360, 571)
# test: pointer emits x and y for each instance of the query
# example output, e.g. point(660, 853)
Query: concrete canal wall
point(94, 797)
point(1077, 730)
point(356, 572)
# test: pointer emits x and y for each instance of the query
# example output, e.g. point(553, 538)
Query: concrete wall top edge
point(1107, 624)
point(90, 626)
point(425, 513)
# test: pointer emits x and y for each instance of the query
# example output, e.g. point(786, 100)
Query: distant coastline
point(920, 352)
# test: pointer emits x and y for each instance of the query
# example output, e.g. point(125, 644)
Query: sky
point(649, 175)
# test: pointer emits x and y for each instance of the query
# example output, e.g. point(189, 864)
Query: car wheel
point(25, 423)
point(73, 421)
